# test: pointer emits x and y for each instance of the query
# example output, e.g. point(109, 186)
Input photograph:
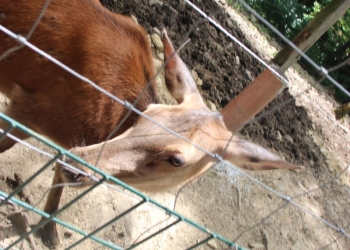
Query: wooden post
point(266, 86)
point(312, 32)
point(251, 100)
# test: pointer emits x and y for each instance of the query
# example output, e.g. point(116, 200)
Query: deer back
point(108, 48)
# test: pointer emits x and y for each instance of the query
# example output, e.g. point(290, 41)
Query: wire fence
point(141, 198)
point(60, 151)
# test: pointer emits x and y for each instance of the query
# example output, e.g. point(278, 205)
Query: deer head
point(151, 159)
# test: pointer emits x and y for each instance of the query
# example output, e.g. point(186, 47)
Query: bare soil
point(302, 130)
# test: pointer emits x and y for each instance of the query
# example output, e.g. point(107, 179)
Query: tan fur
point(112, 51)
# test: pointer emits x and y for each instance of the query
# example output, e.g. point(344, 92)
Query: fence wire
point(144, 199)
point(324, 72)
point(105, 177)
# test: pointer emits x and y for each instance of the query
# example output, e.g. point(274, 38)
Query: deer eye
point(177, 161)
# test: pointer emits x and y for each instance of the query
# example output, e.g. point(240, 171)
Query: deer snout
point(74, 172)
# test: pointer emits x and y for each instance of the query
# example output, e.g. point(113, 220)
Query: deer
point(113, 51)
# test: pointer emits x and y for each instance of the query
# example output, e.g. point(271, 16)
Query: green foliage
point(291, 16)
point(286, 16)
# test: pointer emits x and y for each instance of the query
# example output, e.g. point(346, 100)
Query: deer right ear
point(178, 78)
point(250, 156)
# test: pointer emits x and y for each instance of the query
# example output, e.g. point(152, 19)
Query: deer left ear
point(247, 155)
point(178, 78)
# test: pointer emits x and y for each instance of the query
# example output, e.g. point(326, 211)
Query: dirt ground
point(303, 131)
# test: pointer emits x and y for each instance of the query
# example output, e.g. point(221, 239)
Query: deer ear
point(178, 78)
point(250, 156)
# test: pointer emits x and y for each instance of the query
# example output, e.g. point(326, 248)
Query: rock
point(278, 136)
point(153, 2)
point(229, 23)
point(149, 39)
point(194, 74)
point(313, 126)
point(161, 56)
point(325, 152)
point(256, 246)
point(156, 30)
point(198, 81)
point(211, 106)
point(134, 19)
point(157, 63)
point(212, 244)
point(67, 234)
point(249, 74)
point(157, 42)
point(299, 154)
point(238, 62)
point(223, 2)
point(289, 138)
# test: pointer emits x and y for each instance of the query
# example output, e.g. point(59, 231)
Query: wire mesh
point(53, 217)
point(144, 199)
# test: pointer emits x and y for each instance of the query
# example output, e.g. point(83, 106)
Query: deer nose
point(72, 174)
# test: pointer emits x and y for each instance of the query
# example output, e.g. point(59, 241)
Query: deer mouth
point(77, 175)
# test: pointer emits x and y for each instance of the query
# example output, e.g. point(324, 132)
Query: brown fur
point(108, 48)
point(92, 41)
point(112, 51)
